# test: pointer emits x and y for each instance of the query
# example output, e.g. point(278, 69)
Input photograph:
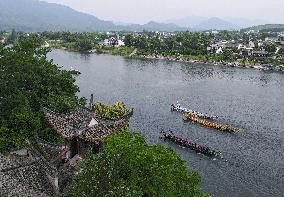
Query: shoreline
point(260, 67)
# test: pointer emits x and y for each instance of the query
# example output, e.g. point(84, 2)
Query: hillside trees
point(29, 82)
point(127, 166)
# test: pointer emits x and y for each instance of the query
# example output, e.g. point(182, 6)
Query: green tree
point(28, 83)
point(227, 54)
point(127, 166)
point(116, 110)
point(12, 37)
point(245, 38)
point(128, 40)
point(281, 51)
point(83, 45)
point(271, 48)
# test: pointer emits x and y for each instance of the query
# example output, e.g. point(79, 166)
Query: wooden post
point(91, 101)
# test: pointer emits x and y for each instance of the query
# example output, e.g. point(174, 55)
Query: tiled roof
point(76, 124)
point(23, 177)
point(102, 130)
point(52, 152)
point(69, 125)
point(27, 175)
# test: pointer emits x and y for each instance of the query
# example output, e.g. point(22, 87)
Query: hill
point(216, 23)
point(266, 28)
point(35, 16)
point(245, 23)
point(154, 26)
point(198, 23)
point(189, 21)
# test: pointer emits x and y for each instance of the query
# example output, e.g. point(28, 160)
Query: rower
point(178, 105)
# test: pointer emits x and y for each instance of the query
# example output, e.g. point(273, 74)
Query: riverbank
point(263, 67)
point(130, 52)
point(134, 53)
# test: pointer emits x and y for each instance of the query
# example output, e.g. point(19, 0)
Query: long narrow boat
point(224, 128)
point(178, 108)
point(193, 146)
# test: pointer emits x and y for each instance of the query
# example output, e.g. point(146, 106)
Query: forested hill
point(266, 28)
point(34, 15)
point(37, 16)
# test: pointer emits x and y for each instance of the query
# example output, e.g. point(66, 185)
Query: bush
point(127, 166)
point(117, 110)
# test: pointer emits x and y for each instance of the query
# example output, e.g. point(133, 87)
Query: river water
point(253, 163)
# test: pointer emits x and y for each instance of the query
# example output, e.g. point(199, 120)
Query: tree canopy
point(29, 82)
point(127, 166)
point(281, 51)
point(271, 48)
point(181, 43)
point(82, 42)
point(116, 110)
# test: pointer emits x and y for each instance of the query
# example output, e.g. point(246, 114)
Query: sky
point(143, 11)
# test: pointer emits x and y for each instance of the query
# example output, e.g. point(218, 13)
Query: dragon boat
point(178, 108)
point(184, 143)
point(224, 128)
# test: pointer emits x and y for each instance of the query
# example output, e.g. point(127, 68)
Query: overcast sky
point(142, 11)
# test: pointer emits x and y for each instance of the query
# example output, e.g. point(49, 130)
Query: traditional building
point(42, 171)
point(83, 128)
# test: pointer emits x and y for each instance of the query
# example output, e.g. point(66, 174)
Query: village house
point(216, 47)
point(214, 32)
point(219, 50)
point(260, 55)
point(213, 48)
point(252, 31)
point(271, 39)
point(280, 42)
point(241, 46)
point(246, 52)
point(232, 44)
point(164, 34)
point(46, 44)
point(260, 43)
point(113, 41)
point(251, 44)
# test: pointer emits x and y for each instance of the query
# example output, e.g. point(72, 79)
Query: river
point(252, 100)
